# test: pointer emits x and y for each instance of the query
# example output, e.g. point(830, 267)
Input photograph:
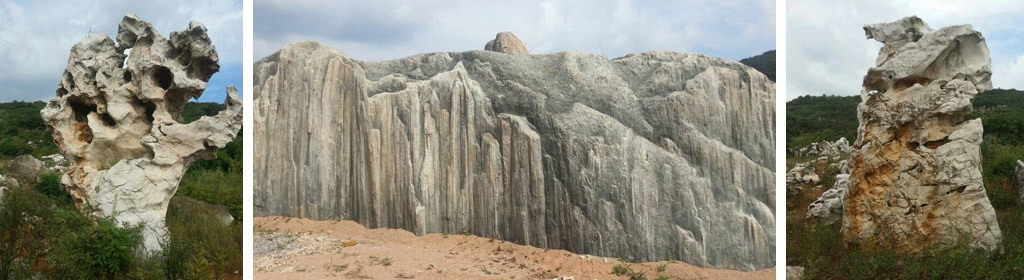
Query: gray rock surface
point(506, 42)
point(794, 272)
point(828, 208)
point(651, 156)
point(1020, 179)
point(116, 120)
point(25, 168)
point(916, 172)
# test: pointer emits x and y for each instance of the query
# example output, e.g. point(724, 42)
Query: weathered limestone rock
point(25, 168)
point(506, 42)
point(55, 163)
point(1020, 179)
point(651, 156)
point(828, 208)
point(916, 177)
point(794, 272)
point(9, 182)
point(117, 121)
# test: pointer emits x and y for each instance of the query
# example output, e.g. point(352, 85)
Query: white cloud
point(827, 52)
point(36, 36)
point(731, 29)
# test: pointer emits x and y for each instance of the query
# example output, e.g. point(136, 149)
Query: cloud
point(383, 30)
point(827, 52)
point(36, 37)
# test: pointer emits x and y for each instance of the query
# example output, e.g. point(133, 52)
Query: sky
point(827, 53)
point(36, 38)
point(385, 30)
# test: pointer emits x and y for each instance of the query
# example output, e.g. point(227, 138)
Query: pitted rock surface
point(651, 156)
point(916, 174)
point(117, 121)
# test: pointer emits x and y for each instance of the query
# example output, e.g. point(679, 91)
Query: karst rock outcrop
point(116, 119)
point(651, 156)
point(916, 176)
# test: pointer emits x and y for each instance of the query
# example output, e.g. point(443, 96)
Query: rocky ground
point(289, 248)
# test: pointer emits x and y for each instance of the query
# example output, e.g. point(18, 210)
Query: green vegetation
point(43, 235)
point(812, 119)
point(821, 250)
point(20, 123)
point(765, 63)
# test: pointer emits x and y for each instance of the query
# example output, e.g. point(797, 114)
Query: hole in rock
point(127, 76)
point(913, 145)
point(935, 144)
point(108, 120)
point(150, 110)
point(162, 77)
point(81, 110)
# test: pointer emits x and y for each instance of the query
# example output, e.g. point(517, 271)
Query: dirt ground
point(290, 248)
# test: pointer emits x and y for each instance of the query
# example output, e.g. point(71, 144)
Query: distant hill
point(764, 62)
point(811, 119)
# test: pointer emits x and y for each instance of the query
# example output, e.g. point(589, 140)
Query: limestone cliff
point(116, 120)
point(916, 177)
point(651, 156)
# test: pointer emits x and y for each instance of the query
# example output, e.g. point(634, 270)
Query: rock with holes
point(116, 119)
point(916, 170)
point(506, 42)
point(651, 156)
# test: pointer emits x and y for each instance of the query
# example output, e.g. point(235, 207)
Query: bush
point(24, 219)
point(49, 184)
point(92, 248)
point(201, 246)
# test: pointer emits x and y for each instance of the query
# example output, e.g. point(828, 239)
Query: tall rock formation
point(916, 177)
point(651, 156)
point(116, 119)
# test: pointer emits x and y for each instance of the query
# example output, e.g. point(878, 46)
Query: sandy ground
point(290, 248)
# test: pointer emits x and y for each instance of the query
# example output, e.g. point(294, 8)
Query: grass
point(824, 255)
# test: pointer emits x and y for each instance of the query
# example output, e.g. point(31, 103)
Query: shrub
point(93, 248)
point(201, 246)
point(49, 184)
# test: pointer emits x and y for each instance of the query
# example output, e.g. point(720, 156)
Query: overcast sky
point(384, 30)
point(827, 52)
point(36, 38)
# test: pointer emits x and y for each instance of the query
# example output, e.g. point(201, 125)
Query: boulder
point(25, 168)
point(9, 182)
point(55, 163)
point(506, 42)
point(828, 208)
point(794, 272)
point(916, 179)
point(651, 156)
point(1020, 179)
point(116, 119)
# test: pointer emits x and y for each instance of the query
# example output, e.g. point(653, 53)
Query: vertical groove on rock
point(512, 147)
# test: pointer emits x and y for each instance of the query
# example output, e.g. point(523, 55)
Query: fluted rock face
point(916, 176)
point(116, 121)
point(651, 156)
